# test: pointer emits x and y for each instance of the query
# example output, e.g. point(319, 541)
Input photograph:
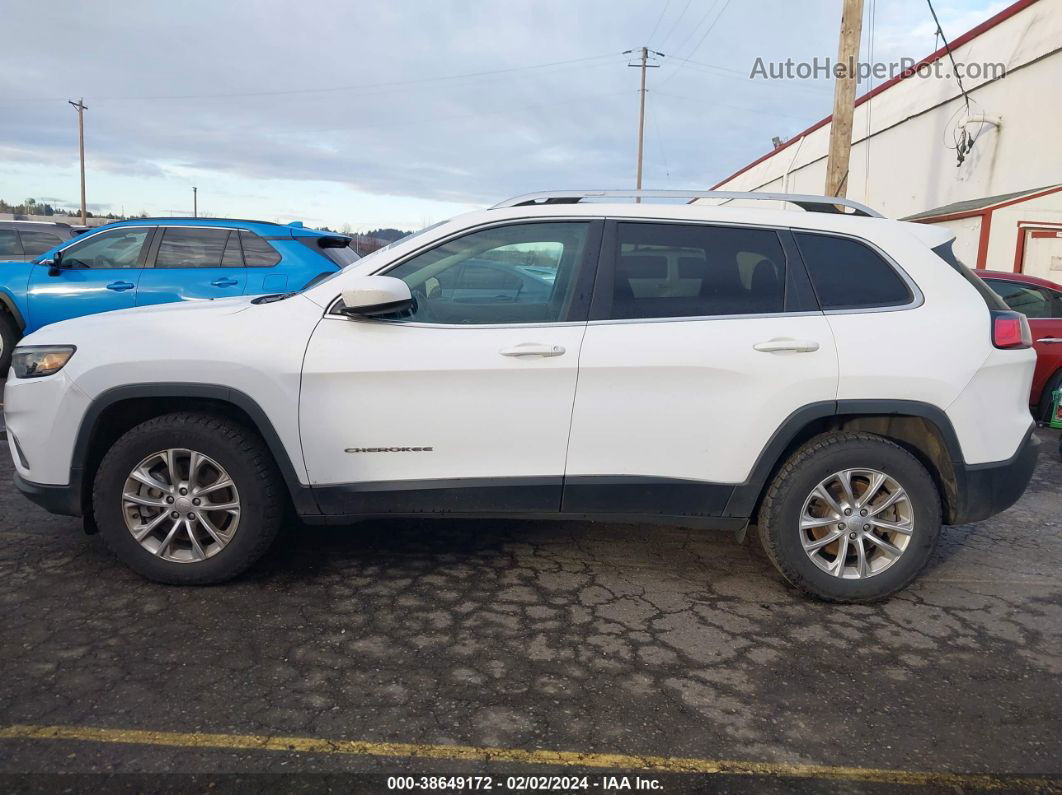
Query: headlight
point(34, 361)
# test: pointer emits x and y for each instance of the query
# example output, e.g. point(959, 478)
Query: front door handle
point(1050, 340)
point(224, 282)
point(120, 286)
point(786, 344)
point(533, 349)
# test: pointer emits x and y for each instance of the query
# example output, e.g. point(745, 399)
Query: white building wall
point(910, 168)
point(1003, 242)
point(967, 232)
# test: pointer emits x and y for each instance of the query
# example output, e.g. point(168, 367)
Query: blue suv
point(159, 260)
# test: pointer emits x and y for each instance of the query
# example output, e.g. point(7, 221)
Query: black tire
point(9, 337)
point(780, 512)
point(239, 450)
point(1043, 412)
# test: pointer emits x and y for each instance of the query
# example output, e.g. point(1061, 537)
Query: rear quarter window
point(9, 245)
point(38, 242)
point(340, 255)
point(849, 274)
point(257, 253)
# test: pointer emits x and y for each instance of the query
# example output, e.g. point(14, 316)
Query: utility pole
point(844, 89)
point(641, 109)
point(81, 107)
point(195, 202)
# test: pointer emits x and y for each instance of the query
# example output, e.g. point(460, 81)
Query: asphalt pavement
point(543, 648)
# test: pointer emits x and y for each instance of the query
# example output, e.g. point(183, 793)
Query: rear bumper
point(987, 489)
point(63, 500)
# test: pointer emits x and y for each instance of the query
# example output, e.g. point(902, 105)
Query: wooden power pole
point(81, 107)
point(641, 110)
point(844, 98)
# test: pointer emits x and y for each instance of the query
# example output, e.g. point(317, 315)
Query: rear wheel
point(188, 499)
point(851, 517)
point(9, 336)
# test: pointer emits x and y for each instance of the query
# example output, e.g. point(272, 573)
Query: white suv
point(836, 379)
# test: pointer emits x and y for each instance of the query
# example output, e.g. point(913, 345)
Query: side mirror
point(55, 265)
point(373, 296)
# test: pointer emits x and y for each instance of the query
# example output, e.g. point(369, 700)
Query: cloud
point(412, 99)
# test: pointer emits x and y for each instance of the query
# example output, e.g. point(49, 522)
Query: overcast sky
point(399, 113)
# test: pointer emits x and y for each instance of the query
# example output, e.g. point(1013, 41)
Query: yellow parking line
point(468, 753)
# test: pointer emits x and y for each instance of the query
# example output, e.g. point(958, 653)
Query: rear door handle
point(120, 286)
point(1050, 340)
point(786, 344)
point(533, 349)
point(224, 282)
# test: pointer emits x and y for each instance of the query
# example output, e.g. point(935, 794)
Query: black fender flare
point(747, 495)
point(10, 305)
point(301, 495)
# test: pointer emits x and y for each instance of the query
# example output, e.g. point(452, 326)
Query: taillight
point(1010, 330)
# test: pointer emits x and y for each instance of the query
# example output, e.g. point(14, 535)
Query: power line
point(421, 119)
point(660, 147)
point(734, 74)
point(701, 40)
point(362, 86)
point(713, 67)
point(676, 22)
point(872, 13)
point(947, 49)
point(772, 112)
point(659, 19)
point(693, 29)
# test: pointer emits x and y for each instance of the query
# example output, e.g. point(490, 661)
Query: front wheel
point(850, 517)
point(188, 499)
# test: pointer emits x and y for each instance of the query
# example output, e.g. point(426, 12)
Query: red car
point(1039, 300)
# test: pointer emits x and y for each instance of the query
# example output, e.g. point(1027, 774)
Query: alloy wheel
point(856, 523)
point(181, 506)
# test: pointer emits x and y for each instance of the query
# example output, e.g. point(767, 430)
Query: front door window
point(524, 273)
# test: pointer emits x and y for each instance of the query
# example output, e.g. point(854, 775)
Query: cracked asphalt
point(568, 636)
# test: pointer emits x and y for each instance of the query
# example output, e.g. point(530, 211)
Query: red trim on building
point(1034, 227)
point(982, 241)
point(985, 214)
point(966, 37)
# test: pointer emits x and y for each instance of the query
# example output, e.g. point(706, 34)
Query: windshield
point(374, 254)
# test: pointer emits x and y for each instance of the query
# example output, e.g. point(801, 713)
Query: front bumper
point(983, 490)
point(63, 500)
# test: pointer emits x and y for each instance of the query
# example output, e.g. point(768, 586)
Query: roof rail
point(813, 204)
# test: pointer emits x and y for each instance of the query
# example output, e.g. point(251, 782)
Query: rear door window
point(191, 247)
point(687, 270)
point(849, 274)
